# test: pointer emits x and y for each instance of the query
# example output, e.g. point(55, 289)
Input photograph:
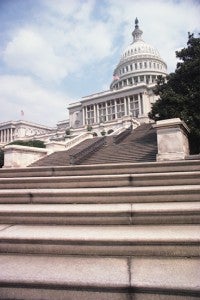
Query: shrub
point(89, 128)
point(67, 132)
point(110, 131)
point(31, 143)
point(1, 158)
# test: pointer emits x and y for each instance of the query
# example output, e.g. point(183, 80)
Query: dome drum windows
point(141, 78)
point(130, 81)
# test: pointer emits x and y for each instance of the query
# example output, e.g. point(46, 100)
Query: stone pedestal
point(172, 139)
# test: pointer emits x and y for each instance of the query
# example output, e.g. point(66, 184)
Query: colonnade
point(112, 109)
point(6, 135)
point(148, 79)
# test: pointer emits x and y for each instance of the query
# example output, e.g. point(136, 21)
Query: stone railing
point(78, 139)
point(82, 154)
point(122, 135)
point(53, 146)
point(117, 131)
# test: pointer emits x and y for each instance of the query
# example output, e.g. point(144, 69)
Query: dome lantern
point(137, 33)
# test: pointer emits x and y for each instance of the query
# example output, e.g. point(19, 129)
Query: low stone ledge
point(16, 156)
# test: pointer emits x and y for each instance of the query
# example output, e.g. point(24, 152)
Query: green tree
point(179, 93)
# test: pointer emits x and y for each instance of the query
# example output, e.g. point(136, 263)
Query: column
point(95, 113)
point(125, 107)
point(11, 134)
point(5, 135)
point(106, 111)
point(83, 110)
point(8, 135)
point(115, 109)
point(129, 110)
point(98, 119)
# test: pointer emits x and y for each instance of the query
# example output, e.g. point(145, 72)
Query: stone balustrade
point(122, 135)
point(80, 155)
point(78, 139)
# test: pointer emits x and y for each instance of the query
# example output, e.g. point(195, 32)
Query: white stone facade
point(16, 130)
point(131, 91)
point(22, 130)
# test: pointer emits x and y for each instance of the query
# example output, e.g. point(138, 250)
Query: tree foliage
point(31, 143)
point(179, 93)
point(1, 158)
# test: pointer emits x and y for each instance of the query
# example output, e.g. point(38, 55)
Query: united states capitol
point(127, 102)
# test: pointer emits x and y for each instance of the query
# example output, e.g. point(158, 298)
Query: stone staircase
point(62, 158)
point(112, 231)
point(139, 146)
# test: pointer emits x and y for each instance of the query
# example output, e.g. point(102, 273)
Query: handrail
point(84, 153)
point(118, 138)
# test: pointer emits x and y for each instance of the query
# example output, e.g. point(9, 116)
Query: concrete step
point(101, 214)
point(151, 240)
point(103, 169)
point(36, 277)
point(150, 179)
point(102, 195)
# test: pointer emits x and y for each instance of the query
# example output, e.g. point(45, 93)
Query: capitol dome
point(140, 62)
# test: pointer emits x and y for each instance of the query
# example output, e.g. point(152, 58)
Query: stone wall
point(20, 156)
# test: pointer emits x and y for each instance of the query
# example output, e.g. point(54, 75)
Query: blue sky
point(53, 52)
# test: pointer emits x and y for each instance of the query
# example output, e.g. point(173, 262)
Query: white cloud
point(30, 52)
point(65, 41)
point(73, 38)
point(39, 104)
point(165, 23)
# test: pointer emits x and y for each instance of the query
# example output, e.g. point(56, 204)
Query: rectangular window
point(90, 114)
point(134, 106)
point(120, 108)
